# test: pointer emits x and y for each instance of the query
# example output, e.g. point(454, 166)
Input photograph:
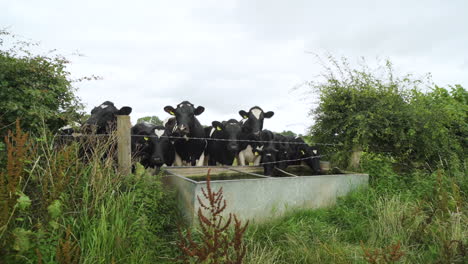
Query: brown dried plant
point(68, 251)
point(390, 254)
point(217, 244)
point(453, 251)
point(10, 180)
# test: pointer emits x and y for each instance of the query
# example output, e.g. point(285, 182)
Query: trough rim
point(260, 177)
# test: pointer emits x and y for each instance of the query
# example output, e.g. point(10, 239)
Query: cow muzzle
point(183, 130)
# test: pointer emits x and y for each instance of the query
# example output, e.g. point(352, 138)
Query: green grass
point(116, 218)
point(428, 230)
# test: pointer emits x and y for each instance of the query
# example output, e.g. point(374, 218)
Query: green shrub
point(378, 112)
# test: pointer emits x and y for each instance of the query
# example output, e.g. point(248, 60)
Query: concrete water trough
point(252, 196)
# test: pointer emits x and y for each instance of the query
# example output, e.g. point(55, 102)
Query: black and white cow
point(187, 126)
point(222, 151)
point(252, 125)
point(268, 151)
point(300, 150)
point(152, 146)
point(103, 119)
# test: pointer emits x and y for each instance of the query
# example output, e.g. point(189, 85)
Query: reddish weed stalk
point(217, 244)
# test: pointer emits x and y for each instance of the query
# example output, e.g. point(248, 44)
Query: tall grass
point(421, 217)
point(68, 204)
point(72, 206)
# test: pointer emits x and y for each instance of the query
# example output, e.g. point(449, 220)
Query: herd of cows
point(182, 140)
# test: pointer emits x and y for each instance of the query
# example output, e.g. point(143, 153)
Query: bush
point(34, 88)
point(378, 112)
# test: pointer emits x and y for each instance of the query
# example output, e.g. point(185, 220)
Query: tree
point(375, 111)
point(288, 133)
point(36, 89)
point(151, 119)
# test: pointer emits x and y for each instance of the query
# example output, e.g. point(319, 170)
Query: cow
point(103, 119)
point(268, 152)
point(186, 127)
point(224, 146)
point(252, 125)
point(284, 151)
point(152, 146)
point(66, 135)
point(302, 153)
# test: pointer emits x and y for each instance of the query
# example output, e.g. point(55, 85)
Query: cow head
point(231, 130)
point(151, 145)
point(254, 119)
point(140, 142)
point(103, 118)
point(162, 150)
point(310, 153)
point(185, 116)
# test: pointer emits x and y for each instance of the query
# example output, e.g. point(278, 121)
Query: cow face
point(312, 154)
point(231, 130)
point(103, 118)
point(185, 116)
point(254, 119)
point(162, 150)
point(141, 144)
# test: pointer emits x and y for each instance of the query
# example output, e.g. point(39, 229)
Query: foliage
point(390, 254)
point(64, 210)
point(151, 119)
point(216, 245)
point(378, 112)
point(421, 220)
point(11, 178)
point(36, 89)
point(288, 133)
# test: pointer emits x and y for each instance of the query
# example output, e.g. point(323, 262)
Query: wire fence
point(208, 139)
point(292, 160)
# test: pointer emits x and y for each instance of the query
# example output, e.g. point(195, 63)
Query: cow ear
point(244, 114)
point(218, 125)
point(268, 114)
point(169, 109)
point(126, 110)
point(199, 110)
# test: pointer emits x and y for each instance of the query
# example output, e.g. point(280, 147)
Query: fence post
point(124, 151)
point(355, 157)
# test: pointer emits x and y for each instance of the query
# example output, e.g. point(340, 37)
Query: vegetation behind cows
point(55, 208)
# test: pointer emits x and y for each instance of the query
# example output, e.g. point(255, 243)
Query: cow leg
point(257, 160)
point(206, 162)
point(241, 158)
point(178, 160)
point(201, 160)
point(212, 162)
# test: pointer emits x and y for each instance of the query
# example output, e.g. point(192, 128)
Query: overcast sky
point(232, 55)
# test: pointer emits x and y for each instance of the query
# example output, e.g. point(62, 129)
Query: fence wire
point(208, 139)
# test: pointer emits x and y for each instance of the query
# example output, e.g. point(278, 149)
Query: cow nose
point(257, 133)
point(184, 129)
point(157, 159)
